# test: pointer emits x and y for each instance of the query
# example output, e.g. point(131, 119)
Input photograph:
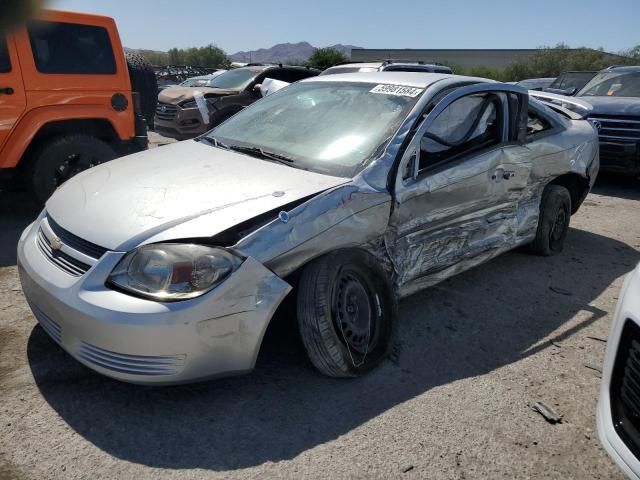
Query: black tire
point(346, 312)
point(555, 215)
point(60, 158)
point(143, 81)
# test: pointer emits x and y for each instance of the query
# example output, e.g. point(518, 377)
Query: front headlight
point(168, 272)
point(189, 104)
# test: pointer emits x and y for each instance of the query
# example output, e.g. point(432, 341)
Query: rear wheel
point(553, 225)
point(60, 158)
point(346, 313)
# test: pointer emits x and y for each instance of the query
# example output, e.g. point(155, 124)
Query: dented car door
point(458, 187)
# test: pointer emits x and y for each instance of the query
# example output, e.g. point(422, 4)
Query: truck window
point(69, 48)
point(5, 63)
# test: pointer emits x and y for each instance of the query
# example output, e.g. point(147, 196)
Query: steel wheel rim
point(354, 312)
point(558, 227)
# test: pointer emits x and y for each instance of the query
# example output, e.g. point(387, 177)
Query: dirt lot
point(452, 404)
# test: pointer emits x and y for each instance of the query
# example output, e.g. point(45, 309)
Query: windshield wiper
point(262, 153)
point(213, 141)
point(253, 151)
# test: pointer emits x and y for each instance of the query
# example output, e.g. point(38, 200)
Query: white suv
point(387, 67)
point(619, 406)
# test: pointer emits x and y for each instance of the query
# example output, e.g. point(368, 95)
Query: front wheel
point(346, 313)
point(553, 225)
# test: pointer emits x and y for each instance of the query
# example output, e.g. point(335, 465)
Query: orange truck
point(70, 98)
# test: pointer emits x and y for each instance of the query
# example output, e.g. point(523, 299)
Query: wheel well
point(99, 128)
point(577, 186)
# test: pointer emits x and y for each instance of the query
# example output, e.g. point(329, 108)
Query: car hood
point(613, 105)
point(176, 95)
point(184, 190)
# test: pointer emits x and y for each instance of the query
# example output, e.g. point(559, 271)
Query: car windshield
point(612, 84)
point(194, 82)
point(575, 80)
point(238, 79)
point(334, 128)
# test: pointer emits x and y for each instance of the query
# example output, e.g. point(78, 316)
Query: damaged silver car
point(355, 190)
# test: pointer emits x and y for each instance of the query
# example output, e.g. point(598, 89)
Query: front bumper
point(146, 342)
point(185, 124)
point(628, 310)
point(620, 157)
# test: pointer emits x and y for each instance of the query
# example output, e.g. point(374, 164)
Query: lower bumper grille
point(132, 364)
point(49, 326)
point(625, 388)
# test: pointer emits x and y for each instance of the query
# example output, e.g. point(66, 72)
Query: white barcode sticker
point(397, 90)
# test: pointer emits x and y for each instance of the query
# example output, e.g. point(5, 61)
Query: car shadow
point(486, 318)
point(17, 210)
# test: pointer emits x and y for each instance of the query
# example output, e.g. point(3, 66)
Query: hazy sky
point(250, 24)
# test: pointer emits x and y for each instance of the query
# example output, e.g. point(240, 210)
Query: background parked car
point(179, 116)
point(611, 100)
point(619, 405)
point(71, 98)
point(198, 81)
point(535, 83)
point(570, 83)
point(387, 66)
point(202, 81)
point(614, 94)
point(172, 75)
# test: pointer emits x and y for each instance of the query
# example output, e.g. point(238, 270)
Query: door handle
point(508, 175)
point(6, 90)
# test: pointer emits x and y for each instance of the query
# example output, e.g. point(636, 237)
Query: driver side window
point(5, 63)
point(468, 125)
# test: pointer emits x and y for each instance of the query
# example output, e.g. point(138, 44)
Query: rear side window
point(69, 48)
point(5, 63)
point(536, 123)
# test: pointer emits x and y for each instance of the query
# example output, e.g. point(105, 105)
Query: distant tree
point(633, 53)
point(174, 56)
point(324, 58)
point(552, 61)
point(207, 56)
point(155, 57)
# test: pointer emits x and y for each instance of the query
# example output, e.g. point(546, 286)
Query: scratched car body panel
point(412, 178)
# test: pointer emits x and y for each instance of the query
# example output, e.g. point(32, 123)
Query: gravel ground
point(452, 404)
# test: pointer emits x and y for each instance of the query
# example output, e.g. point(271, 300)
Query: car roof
point(358, 65)
point(628, 68)
point(409, 79)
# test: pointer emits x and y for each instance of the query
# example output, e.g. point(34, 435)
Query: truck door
point(12, 97)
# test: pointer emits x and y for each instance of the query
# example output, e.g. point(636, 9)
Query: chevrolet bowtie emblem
point(55, 243)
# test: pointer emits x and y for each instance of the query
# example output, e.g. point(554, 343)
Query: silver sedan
point(354, 190)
